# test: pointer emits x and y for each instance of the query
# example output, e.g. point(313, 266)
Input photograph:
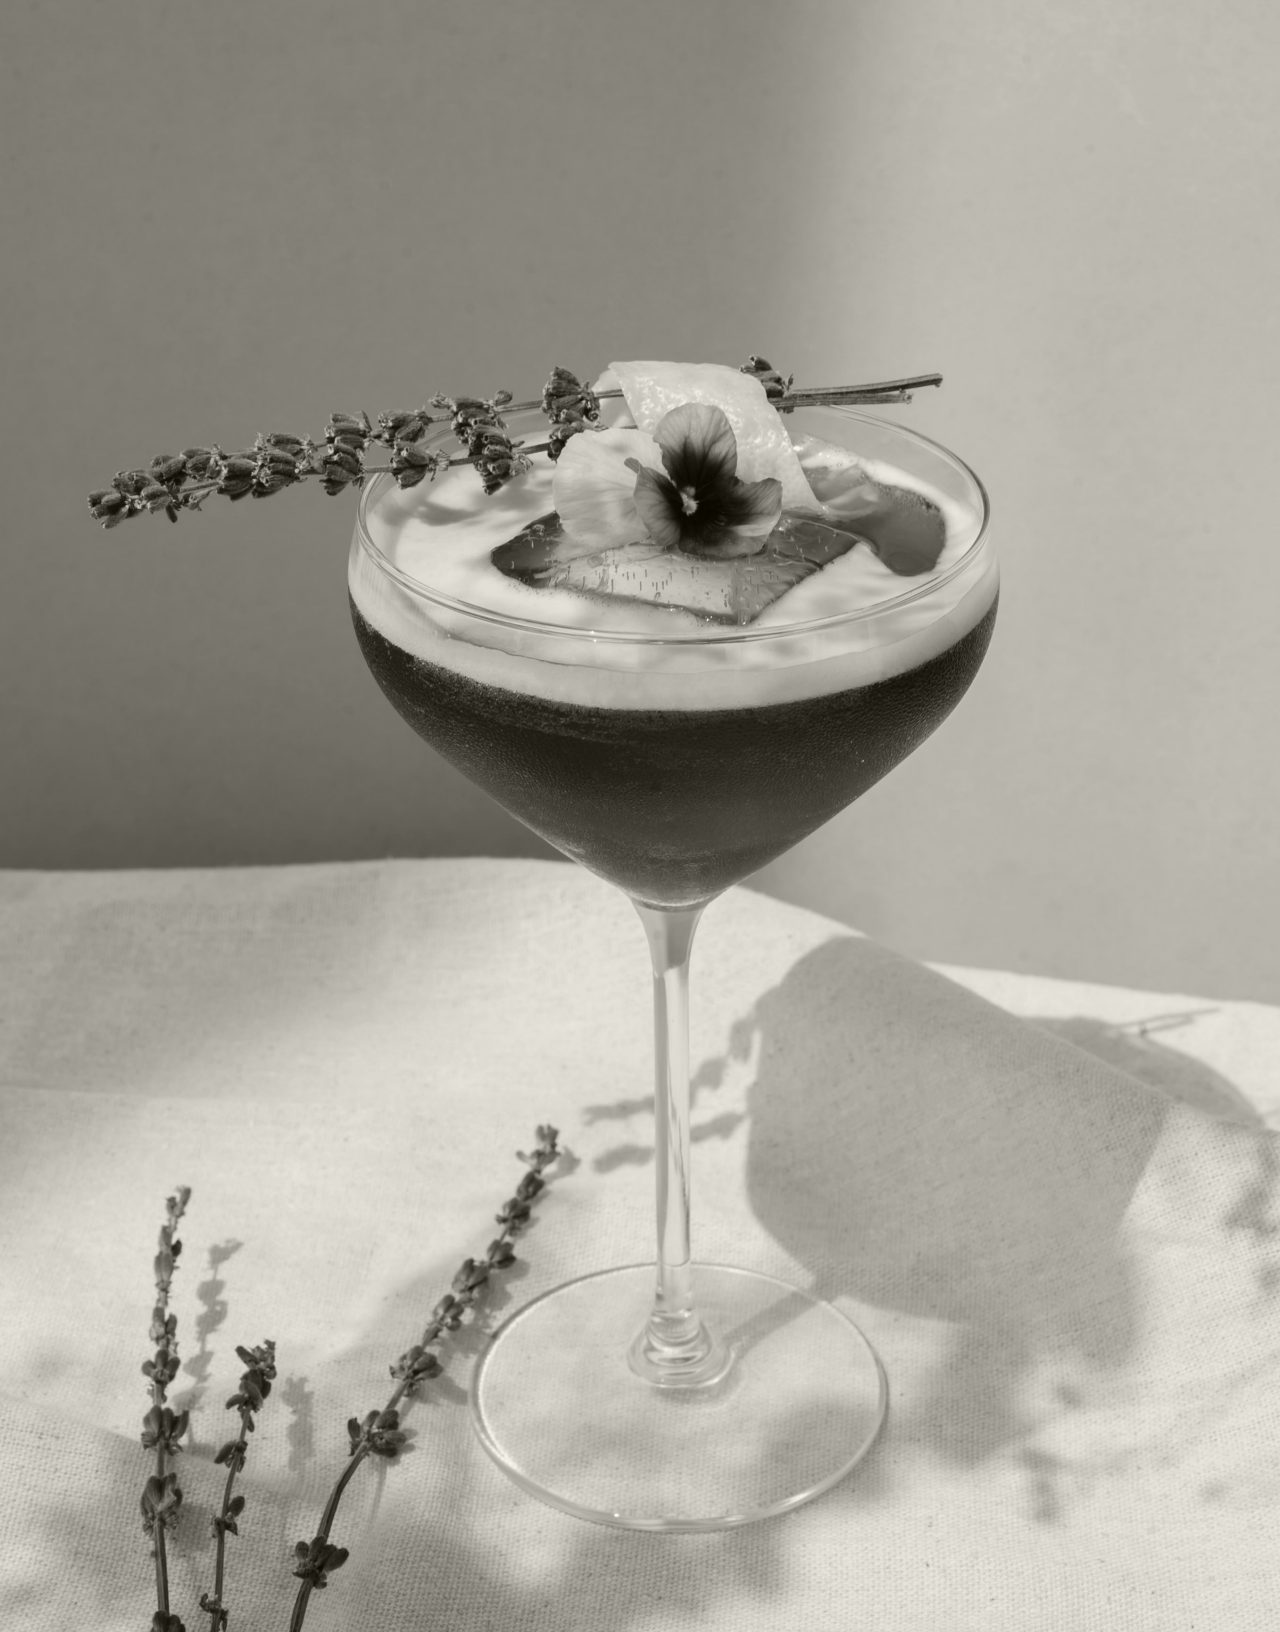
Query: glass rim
point(376, 485)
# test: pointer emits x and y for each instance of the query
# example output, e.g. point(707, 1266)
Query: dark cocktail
point(673, 684)
point(674, 805)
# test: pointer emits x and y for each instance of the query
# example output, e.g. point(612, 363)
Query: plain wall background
point(224, 219)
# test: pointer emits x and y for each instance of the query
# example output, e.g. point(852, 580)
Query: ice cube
point(732, 591)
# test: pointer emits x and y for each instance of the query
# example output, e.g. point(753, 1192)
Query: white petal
point(594, 489)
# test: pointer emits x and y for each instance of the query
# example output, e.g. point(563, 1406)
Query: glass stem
point(674, 1349)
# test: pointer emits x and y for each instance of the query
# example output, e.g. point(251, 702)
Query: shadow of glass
point(919, 1152)
point(916, 1156)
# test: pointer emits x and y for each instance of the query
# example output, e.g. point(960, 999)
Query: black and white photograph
point(639, 860)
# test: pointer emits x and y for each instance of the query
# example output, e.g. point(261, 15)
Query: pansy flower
point(678, 488)
point(697, 504)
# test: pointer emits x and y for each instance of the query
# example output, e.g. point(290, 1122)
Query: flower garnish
point(699, 505)
point(652, 389)
point(678, 488)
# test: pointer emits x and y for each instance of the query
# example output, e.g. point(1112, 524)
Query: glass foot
point(559, 1407)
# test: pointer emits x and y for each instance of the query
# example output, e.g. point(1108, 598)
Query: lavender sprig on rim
point(174, 482)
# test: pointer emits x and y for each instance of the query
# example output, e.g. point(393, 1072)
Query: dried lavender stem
point(255, 1385)
point(887, 391)
point(221, 1554)
point(381, 1430)
point(162, 1561)
point(161, 1368)
point(279, 461)
point(806, 396)
point(884, 391)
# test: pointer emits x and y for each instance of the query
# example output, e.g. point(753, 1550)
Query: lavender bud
point(774, 384)
point(347, 425)
point(470, 1275)
point(344, 459)
point(403, 458)
point(565, 397)
point(404, 427)
point(237, 476)
point(168, 467)
point(199, 461)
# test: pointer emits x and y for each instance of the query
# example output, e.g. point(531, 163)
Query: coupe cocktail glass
point(672, 1395)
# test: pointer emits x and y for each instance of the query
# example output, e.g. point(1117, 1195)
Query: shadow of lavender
point(213, 1312)
point(300, 1436)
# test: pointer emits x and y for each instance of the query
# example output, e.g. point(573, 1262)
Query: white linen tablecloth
point(1059, 1225)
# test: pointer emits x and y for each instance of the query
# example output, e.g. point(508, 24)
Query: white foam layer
point(577, 648)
